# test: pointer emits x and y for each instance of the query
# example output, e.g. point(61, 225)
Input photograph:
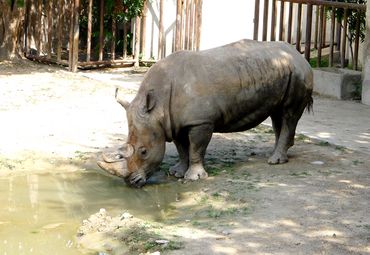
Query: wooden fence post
point(265, 19)
point(307, 50)
point(256, 19)
point(89, 31)
point(273, 21)
point(161, 30)
point(281, 29)
point(137, 41)
point(332, 31)
point(143, 30)
point(178, 24)
point(50, 26)
point(344, 40)
point(101, 31)
point(199, 24)
point(299, 28)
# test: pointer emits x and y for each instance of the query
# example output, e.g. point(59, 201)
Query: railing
point(327, 21)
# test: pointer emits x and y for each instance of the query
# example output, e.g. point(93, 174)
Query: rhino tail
point(309, 106)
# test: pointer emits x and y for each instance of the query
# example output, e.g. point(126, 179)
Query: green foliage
point(352, 19)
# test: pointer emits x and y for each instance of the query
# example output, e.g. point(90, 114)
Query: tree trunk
point(11, 29)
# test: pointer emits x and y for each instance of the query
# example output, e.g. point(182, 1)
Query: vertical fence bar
point(299, 27)
point(161, 30)
point(281, 22)
point(76, 34)
point(124, 50)
point(199, 24)
point(39, 27)
point(89, 31)
point(290, 21)
point(357, 39)
point(143, 30)
point(307, 50)
point(101, 31)
point(265, 19)
point(339, 33)
point(332, 32)
point(113, 43)
point(191, 29)
point(60, 28)
point(137, 41)
point(256, 19)
point(71, 30)
point(187, 25)
point(178, 24)
point(317, 14)
point(324, 29)
point(344, 39)
point(273, 20)
point(320, 39)
point(50, 26)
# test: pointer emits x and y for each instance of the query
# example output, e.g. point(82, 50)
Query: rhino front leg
point(199, 137)
point(182, 146)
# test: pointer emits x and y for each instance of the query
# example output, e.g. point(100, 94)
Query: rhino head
point(145, 146)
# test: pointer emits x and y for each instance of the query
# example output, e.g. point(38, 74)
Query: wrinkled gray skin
point(187, 96)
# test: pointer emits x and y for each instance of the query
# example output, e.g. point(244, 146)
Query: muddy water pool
point(40, 213)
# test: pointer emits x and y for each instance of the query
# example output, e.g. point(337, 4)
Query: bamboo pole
point(101, 31)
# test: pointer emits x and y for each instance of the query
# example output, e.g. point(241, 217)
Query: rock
point(317, 162)
point(125, 215)
point(162, 241)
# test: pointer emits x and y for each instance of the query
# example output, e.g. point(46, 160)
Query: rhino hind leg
point(199, 138)
point(284, 128)
point(181, 167)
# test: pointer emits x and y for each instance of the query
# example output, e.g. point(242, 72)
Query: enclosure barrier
point(340, 16)
point(52, 33)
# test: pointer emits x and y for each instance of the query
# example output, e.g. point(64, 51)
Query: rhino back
point(234, 87)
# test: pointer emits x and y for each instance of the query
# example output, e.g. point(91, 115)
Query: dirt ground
point(318, 203)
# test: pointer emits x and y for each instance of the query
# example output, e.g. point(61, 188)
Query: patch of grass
point(300, 137)
point(367, 227)
point(217, 213)
point(323, 63)
point(323, 143)
point(82, 155)
point(357, 162)
point(300, 174)
point(340, 148)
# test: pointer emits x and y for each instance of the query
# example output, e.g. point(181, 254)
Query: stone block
point(337, 82)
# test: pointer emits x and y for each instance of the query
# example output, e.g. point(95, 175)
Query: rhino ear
point(121, 101)
point(150, 101)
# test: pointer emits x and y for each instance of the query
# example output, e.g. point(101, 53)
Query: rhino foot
point(178, 170)
point(277, 158)
point(196, 172)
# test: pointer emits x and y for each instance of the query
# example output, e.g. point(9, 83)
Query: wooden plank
point(344, 40)
point(332, 32)
point(161, 30)
point(273, 20)
point(89, 31)
point(299, 28)
point(199, 24)
point(290, 21)
point(357, 40)
point(265, 19)
point(101, 31)
point(137, 41)
point(256, 19)
point(50, 26)
point(335, 4)
point(307, 49)
point(281, 22)
point(320, 39)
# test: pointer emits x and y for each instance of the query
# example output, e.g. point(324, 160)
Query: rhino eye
point(143, 152)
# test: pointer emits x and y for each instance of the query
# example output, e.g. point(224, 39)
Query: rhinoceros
point(188, 95)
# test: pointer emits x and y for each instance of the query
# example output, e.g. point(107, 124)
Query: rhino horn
point(121, 101)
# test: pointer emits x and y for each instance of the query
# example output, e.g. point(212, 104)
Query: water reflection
point(41, 213)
